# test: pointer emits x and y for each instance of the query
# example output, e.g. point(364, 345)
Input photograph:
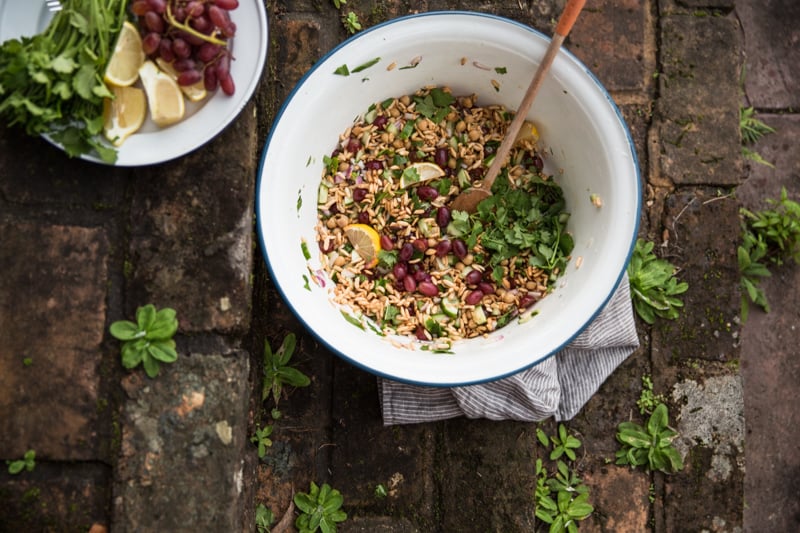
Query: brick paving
point(83, 245)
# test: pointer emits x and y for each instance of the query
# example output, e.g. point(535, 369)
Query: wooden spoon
point(468, 200)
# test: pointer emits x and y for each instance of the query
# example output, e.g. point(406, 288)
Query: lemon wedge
point(164, 97)
point(419, 172)
point(527, 132)
point(124, 114)
point(123, 66)
point(366, 242)
point(194, 93)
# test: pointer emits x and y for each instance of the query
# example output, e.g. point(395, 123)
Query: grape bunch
point(193, 36)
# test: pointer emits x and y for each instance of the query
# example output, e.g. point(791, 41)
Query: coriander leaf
point(63, 64)
point(366, 65)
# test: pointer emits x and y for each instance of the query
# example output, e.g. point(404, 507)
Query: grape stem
point(188, 29)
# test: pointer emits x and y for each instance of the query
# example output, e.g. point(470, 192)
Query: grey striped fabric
point(557, 387)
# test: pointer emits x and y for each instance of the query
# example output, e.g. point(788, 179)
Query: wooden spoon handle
point(569, 16)
point(565, 23)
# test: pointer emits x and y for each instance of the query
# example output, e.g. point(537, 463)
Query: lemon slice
point(123, 66)
point(194, 93)
point(527, 132)
point(419, 172)
point(366, 242)
point(124, 115)
point(164, 97)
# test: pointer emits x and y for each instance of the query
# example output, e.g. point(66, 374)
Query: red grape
point(182, 65)
point(159, 6)
point(210, 79)
point(154, 22)
point(165, 50)
point(227, 4)
point(140, 7)
point(227, 85)
point(150, 43)
point(195, 8)
point(189, 77)
point(207, 52)
point(181, 48)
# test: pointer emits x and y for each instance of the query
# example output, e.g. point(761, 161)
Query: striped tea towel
point(558, 386)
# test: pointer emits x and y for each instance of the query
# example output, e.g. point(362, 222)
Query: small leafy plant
point(264, 518)
point(351, 23)
point(563, 443)
point(278, 372)
point(752, 130)
point(752, 271)
point(649, 446)
point(562, 500)
point(148, 341)
point(648, 400)
point(262, 440)
point(779, 227)
point(28, 462)
point(320, 509)
point(769, 236)
point(654, 287)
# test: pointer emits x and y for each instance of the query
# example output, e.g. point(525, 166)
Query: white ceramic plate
point(205, 120)
point(591, 152)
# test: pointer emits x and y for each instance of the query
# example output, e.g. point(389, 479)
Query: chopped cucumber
point(451, 306)
point(479, 316)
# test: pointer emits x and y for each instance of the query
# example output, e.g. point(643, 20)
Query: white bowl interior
point(590, 152)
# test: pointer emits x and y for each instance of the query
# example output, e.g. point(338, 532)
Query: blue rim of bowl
point(573, 58)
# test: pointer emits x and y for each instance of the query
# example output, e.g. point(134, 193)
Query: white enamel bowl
point(592, 153)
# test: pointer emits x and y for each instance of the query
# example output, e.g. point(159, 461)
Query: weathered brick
point(612, 39)
point(401, 459)
point(609, 485)
point(707, 327)
point(52, 312)
point(697, 115)
point(772, 55)
point(191, 238)
point(37, 173)
point(56, 497)
point(296, 54)
point(484, 464)
point(183, 439)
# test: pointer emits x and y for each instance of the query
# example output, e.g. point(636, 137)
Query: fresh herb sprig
point(769, 237)
point(654, 287)
point(562, 499)
point(752, 130)
point(28, 462)
point(262, 440)
point(52, 83)
point(278, 372)
point(649, 446)
point(148, 341)
point(264, 518)
point(320, 509)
